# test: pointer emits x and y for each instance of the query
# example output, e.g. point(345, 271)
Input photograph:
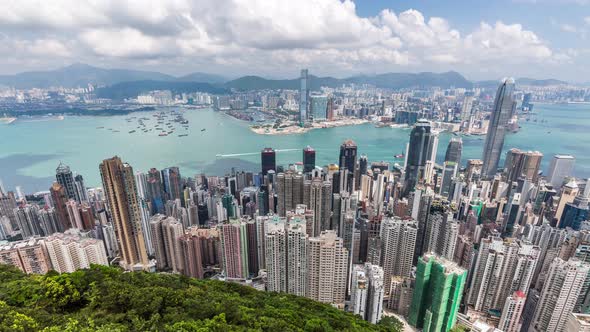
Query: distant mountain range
point(122, 83)
point(389, 80)
point(132, 89)
point(80, 75)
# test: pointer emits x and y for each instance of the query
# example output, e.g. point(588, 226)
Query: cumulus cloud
point(261, 35)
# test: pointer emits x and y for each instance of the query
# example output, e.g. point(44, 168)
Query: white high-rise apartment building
point(70, 252)
point(559, 295)
point(275, 240)
point(286, 256)
point(296, 257)
point(502, 268)
point(327, 262)
point(398, 238)
point(367, 291)
point(512, 312)
point(359, 290)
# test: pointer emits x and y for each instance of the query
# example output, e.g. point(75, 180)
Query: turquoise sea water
point(30, 151)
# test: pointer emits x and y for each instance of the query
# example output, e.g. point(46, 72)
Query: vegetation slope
point(108, 299)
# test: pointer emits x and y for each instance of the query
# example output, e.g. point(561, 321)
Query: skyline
point(404, 240)
point(344, 165)
point(339, 39)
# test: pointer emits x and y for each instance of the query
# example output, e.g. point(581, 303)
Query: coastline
point(293, 129)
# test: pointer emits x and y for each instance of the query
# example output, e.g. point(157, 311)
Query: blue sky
point(544, 17)
point(480, 39)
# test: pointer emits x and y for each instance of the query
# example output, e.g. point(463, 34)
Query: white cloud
point(47, 48)
point(262, 36)
point(568, 28)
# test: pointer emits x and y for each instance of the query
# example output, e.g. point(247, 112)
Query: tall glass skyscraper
point(64, 176)
point(318, 107)
point(504, 106)
point(308, 159)
point(419, 151)
point(347, 164)
point(268, 160)
point(303, 97)
point(454, 150)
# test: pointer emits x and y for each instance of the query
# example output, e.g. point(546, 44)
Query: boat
point(163, 134)
point(399, 156)
point(131, 131)
point(203, 129)
point(182, 135)
point(99, 127)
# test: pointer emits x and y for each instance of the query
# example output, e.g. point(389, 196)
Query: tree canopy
point(108, 299)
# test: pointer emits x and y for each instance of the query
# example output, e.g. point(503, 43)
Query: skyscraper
point(367, 290)
point(268, 160)
point(234, 249)
point(560, 293)
point(303, 97)
point(119, 185)
point(504, 106)
point(575, 213)
point(308, 159)
point(502, 268)
point(568, 194)
point(317, 195)
point(454, 150)
point(347, 162)
point(59, 197)
point(561, 167)
point(512, 312)
point(398, 238)
point(165, 232)
point(522, 165)
point(466, 108)
point(318, 107)
point(327, 262)
point(172, 182)
point(286, 256)
point(64, 176)
point(437, 294)
point(192, 254)
point(289, 190)
point(419, 152)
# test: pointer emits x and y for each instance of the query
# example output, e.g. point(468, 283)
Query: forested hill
point(107, 299)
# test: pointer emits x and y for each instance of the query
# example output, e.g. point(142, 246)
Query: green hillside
point(107, 299)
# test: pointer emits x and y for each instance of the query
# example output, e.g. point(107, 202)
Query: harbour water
point(30, 151)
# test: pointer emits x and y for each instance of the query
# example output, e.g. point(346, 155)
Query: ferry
point(163, 134)
point(399, 156)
